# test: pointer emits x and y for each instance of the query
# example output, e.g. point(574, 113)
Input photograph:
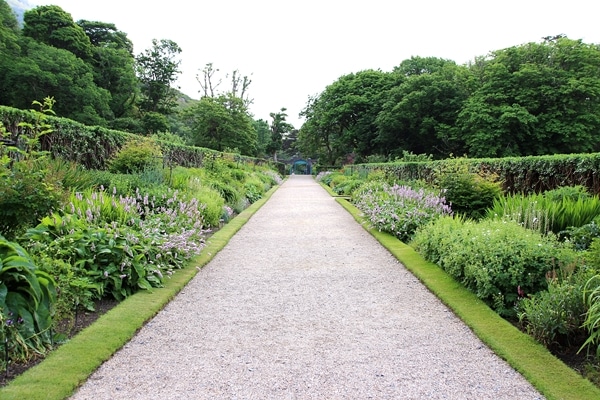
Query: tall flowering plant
point(399, 209)
point(121, 243)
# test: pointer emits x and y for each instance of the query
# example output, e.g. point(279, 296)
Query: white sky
point(294, 49)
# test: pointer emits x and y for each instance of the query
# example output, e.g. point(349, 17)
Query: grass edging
point(67, 367)
point(548, 374)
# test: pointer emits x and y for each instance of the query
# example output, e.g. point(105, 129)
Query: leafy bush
point(492, 258)
point(324, 177)
point(121, 244)
point(212, 205)
point(254, 189)
point(468, 193)
point(136, 155)
point(573, 193)
point(229, 192)
point(25, 197)
point(555, 317)
point(26, 297)
point(581, 237)
point(26, 191)
point(399, 210)
point(348, 186)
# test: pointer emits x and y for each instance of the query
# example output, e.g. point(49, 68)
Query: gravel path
point(304, 304)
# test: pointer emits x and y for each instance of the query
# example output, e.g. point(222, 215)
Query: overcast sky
point(294, 49)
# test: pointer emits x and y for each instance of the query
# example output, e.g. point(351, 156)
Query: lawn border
point(548, 374)
point(67, 367)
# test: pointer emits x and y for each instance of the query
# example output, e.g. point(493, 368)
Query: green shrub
point(27, 191)
point(254, 189)
point(555, 317)
point(211, 204)
point(467, 192)
point(230, 193)
point(581, 237)
point(25, 197)
point(492, 258)
point(135, 156)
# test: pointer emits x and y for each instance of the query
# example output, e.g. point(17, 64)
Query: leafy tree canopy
point(157, 70)
point(55, 27)
point(537, 98)
point(222, 123)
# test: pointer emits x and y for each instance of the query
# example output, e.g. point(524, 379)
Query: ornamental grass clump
point(399, 209)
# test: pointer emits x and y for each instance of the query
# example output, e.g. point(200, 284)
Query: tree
point(343, 115)
point(207, 81)
point(222, 123)
point(279, 127)
point(263, 133)
point(422, 65)
point(55, 27)
point(420, 114)
point(317, 137)
point(103, 34)
point(157, 70)
point(113, 64)
point(9, 31)
point(8, 19)
point(534, 99)
point(210, 82)
point(44, 71)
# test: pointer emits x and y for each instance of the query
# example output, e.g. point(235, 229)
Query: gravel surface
point(304, 304)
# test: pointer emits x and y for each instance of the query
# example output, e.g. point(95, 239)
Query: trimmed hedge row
point(93, 146)
point(531, 174)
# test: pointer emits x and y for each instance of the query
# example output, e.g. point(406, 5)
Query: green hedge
point(532, 174)
point(93, 146)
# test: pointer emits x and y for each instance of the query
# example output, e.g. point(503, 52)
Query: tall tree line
point(531, 99)
point(90, 69)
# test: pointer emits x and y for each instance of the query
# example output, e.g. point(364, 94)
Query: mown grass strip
point(67, 367)
point(549, 375)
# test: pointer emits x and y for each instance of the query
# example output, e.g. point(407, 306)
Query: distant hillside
point(184, 101)
point(19, 7)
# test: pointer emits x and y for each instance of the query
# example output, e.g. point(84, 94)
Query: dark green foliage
point(25, 197)
point(27, 191)
point(533, 99)
point(342, 119)
point(42, 70)
point(492, 258)
point(517, 174)
point(26, 298)
point(468, 193)
point(221, 123)
point(157, 69)
point(581, 237)
point(555, 317)
point(230, 193)
point(420, 114)
point(55, 27)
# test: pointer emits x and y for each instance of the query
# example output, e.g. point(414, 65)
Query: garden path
point(303, 303)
